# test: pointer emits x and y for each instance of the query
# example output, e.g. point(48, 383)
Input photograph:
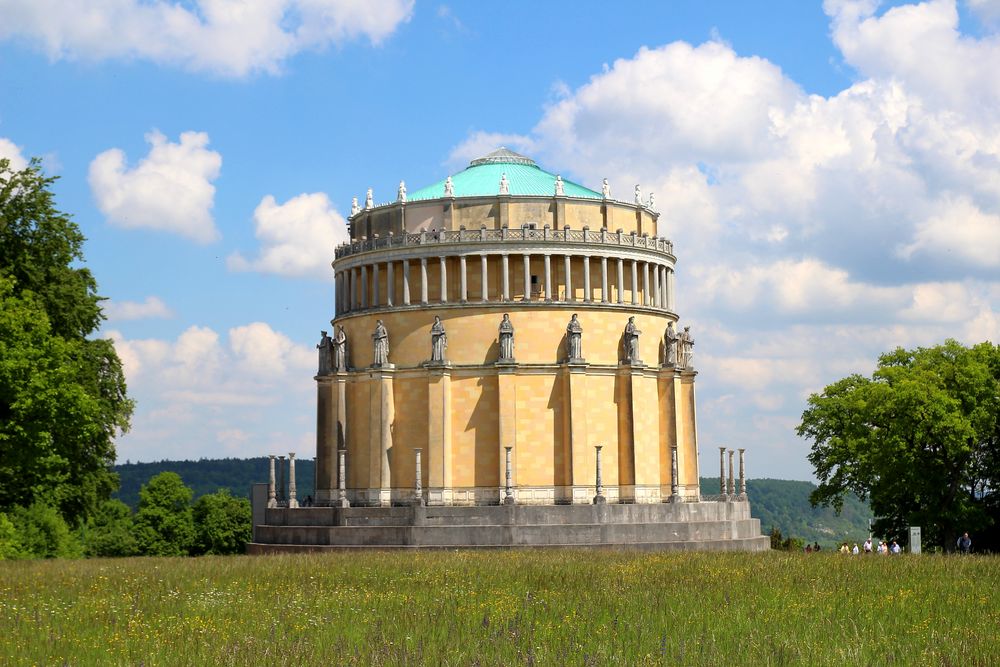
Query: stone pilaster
point(645, 434)
point(575, 427)
point(380, 414)
point(507, 416)
point(439, 463)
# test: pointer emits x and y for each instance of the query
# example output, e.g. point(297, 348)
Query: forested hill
point(776, 502)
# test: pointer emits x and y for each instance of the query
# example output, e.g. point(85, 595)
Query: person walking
point(964, 543)
point(868, 546)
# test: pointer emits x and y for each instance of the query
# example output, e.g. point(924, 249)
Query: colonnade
point(637, 282)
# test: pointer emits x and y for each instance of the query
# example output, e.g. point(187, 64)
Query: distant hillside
point(785, 503)
point(209, 475)
point(776, 502)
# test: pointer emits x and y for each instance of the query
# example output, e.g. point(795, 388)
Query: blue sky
point(830, 173)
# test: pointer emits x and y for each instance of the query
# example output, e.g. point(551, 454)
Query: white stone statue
point(449, 187)
point(380, 339)
point(638, 194)
point(355, 209)
point(686, 348)
point(368, 200)
point(560, 190)
point(652, 202)
point(670, 340)
point(504, 184)
point(506, 339)
point(325, 348)
point(605, 189)
point(631, 340)
point(401, 193)
point(439, 341)
point(339, 350)
point(574, 339)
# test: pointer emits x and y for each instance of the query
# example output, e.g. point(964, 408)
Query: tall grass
point(501, 607)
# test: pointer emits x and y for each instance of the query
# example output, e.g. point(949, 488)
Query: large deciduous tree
point(920, 438)
point(164, 523)
point(62, 393)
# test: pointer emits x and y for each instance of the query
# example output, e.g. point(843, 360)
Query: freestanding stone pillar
point(599, 498)
point(272, 500)
point(281, 481)
point(731, 486)
point(743, 477)
point(292, 502)
point(508, 498)
point(342, 479)
point(722, 470)
point(675, 496)
point(418, 487)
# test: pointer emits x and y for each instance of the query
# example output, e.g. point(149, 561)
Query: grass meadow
point(503, 608)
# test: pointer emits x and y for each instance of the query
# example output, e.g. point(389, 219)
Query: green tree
point(62, 395)
point(919, 438)
point(164, 523)
point(111, 531)
point(43, 533)
point(10, 542)
point(223, 523)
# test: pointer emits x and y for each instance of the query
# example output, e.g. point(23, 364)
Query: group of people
point(868, 547)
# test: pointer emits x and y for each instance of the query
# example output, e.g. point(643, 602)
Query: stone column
point(586, 279)
point(342, 479)
point(621, 280)
point(463, 280)
point(418, 482)
point(730, 486)
point(485, 291)
point(569, 278)
point(375, 289)
point(663, 287)
point(355, 297)
point(635, 282)
point(423, 280)
point(406, 282)
point(527, 277)
point(604, 279)
point(645, 284)
point(390, 283)
point(670, 289)
point(743, 477)
point(272, 500)
point(548, 277)
point(655, 296)
point(444, 280)
point(364, 287)
point(675, 496)
point(599, 498)
point(508, 497)
point(292, 502)
point(505, 275)
point(722, 470)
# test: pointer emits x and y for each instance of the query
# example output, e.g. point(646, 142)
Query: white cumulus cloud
point(168, 190)
point(297, 237)
point(151, 307)
point(225, 37)
point(12, 152)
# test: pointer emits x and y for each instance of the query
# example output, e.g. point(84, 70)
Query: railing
point(603, 237)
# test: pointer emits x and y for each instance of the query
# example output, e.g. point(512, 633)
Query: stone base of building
point(690, 526)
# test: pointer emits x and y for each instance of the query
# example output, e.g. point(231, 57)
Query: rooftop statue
point(560, 191)
point(506, 339)
point(670, 339)
point(606, 189)
point(401, 193)
point(652, 202)
point(574, 339)
point(638, 194)
point(504, 184)
point(439, 341)
point(368, 199)
point(325, 348)
point(355, 209)
point(686, 348)
point(340, 350)
point(380, 341)
point(631, 341)
point(449, 187)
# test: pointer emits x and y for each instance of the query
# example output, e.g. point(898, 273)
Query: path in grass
point(501, 607)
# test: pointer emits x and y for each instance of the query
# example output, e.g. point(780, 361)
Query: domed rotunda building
point(505, 349)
